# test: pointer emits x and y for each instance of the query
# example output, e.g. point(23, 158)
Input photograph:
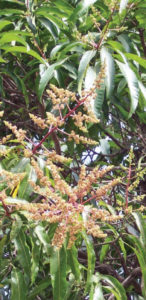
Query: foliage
point(72, 170)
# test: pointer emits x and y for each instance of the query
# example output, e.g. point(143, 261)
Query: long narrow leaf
point(119, 289)
point(23, 253)
point(123, 4)
point(85, 60)
point(58, 264)
point(73, 262)
point(107, 59)
point(91, 260)
point(18, 286)
point(132, 84)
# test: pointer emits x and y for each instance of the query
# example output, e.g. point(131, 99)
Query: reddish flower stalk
point(91, 198)
point(5, 207)
point(63, 119)
point(127, 187)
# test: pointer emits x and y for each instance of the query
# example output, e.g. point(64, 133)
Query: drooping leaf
point(104, 249)
point(126, 42)
point(141, 226)
point(123, 4)
point(72, 255)
point(43, 237)
point(18, 286)
point(47, 75)
point(53, 29)
point(140, 252)
point(116, 285)
point(58, 264)
point(40, 287)
point(137, 58)
point(91, 260)
point(98, 102)
point(90, 78)
point(2, 60)
point(107, 59)
point(4, 23)
point(122, 246)
point(23, 252)
point(81, 8)
point(21, 49)
point(10, 11)
point(96, 293)
point(85, 60)
point(12, 36)
point(35, 258)
point(132, 84)
point(2, 244)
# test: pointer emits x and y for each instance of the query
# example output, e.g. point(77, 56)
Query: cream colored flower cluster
point(19, 133)
point(54, 157)
point(38, 121)
point(5, 139)
point(62, 203)
point(60, 97)
point(80, 118)
point(11, 179)
point(87, 180)
point(81, 139)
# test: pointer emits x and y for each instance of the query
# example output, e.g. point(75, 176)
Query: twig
point(55, 128)
point(7, 213)
point(127, 187)
point(141, 34)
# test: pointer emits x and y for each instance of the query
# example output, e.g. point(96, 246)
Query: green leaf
point(85, 60)
point(25, 188)
point(97, 293)
point(137, 58)
point(58, 264)
point(143, 91)
point(72, 255)
point(91, 260)
point(64, 6)
point(132, 84)
point(43, 237)
point(51, 27)
point(141, 226)
point(10, 11)
point(104, 146)
point(81, 8)
point(98, 102)
point(123, 4)
point(2, 244)
point(35, 252)
point(47, 75)
point(122, 246)
point(107, 59)
point(24, 91)
point(116, 285)
point(10, 37)
point(20, 49)
point(4, 23)
point(18, 286)
point(2, 60)
point(90, 78)
point(140, 252)
point(23, 253)
point(41, 286)
point(121, 85)
point(126, 42)
point(104, 249)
